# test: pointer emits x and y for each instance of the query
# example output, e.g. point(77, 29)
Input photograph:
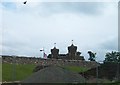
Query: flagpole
point(72, 41)
point(43, 52)
point(54, 44)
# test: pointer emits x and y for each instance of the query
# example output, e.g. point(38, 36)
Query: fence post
point(14, 69)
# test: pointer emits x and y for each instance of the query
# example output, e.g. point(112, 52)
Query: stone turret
point(72, 51)
point(71, 55)
point(54, 53)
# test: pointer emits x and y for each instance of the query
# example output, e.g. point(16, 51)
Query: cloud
point(75, 7)
point(110, 44)
point(48, 8)
point(119, 26)
point(9, 5)
point(26, 32)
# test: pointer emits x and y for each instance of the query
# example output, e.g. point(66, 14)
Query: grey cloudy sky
point(28, 28)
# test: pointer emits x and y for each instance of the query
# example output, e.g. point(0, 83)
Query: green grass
point(76, 68)
point(11, 72)
point(16, 72)
point(0, 72)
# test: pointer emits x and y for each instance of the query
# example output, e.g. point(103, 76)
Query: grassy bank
point(16, 72)
point(76, 68)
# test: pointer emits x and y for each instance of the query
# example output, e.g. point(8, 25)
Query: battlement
point(40, 61)
point(71, 55)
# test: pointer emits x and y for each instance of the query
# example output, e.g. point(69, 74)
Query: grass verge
point(76, 68)
point(16, 72)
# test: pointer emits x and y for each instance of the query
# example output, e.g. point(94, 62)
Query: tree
point(118, 56)
point(92, 56)
point(112, 57)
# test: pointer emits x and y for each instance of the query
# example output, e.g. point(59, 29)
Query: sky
point(28, 28)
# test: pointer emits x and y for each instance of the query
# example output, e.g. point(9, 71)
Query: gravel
point(54, 74)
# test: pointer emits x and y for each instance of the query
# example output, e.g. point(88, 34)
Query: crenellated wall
point(39, 61)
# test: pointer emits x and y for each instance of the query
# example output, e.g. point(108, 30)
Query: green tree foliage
point(112, 57)
point(118, 55)
point(92, 56)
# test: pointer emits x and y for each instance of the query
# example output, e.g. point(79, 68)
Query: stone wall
point(39, 61)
